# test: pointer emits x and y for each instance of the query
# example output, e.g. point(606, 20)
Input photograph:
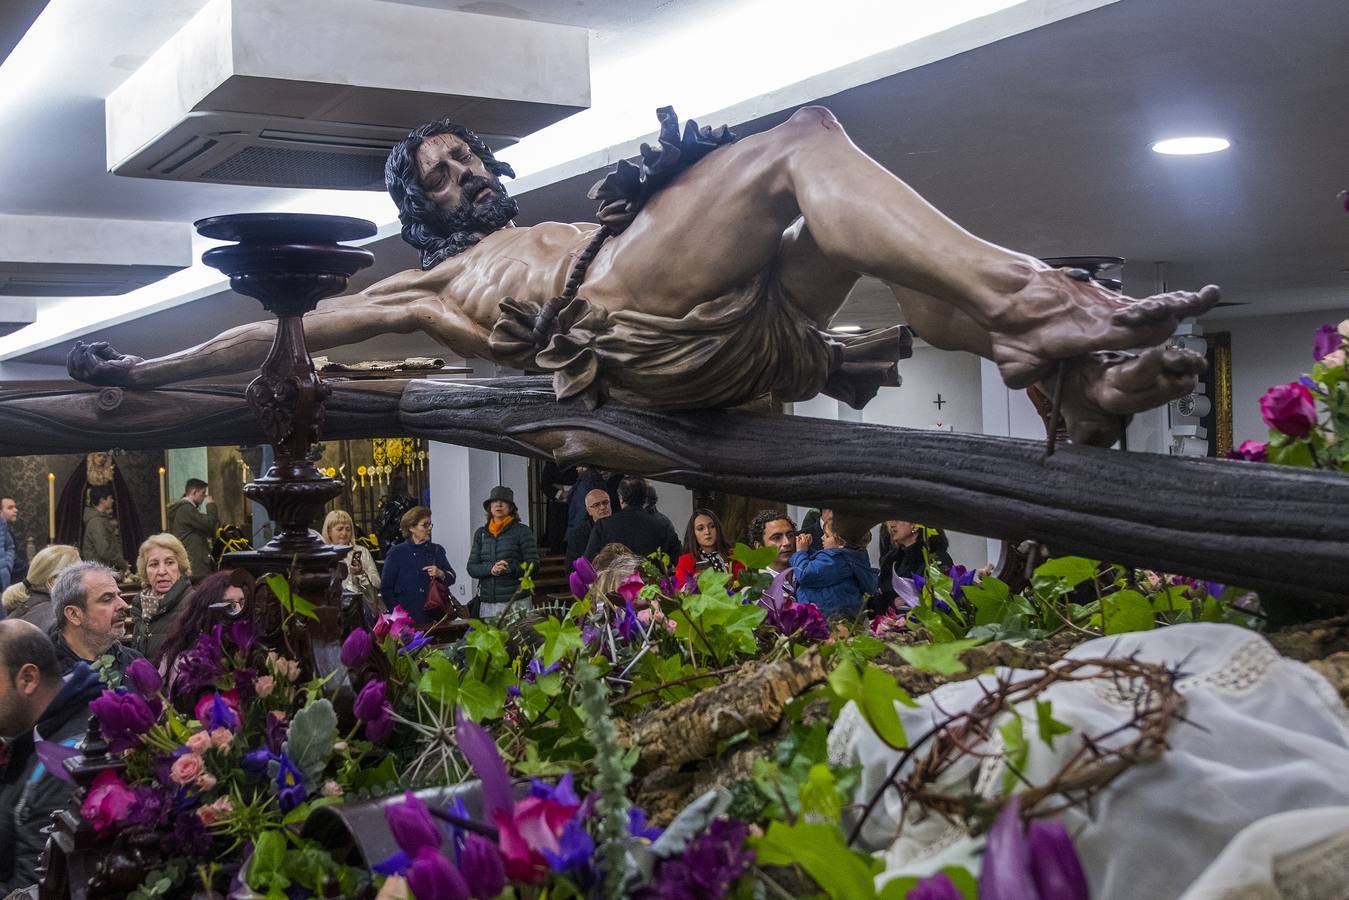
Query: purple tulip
point(586, 571)
point(482, 754)
point(243, 635)
point(356, 648)
point(123, 717)
point(935, 887)
point(431, 877)
point(369, 703)
point(380, 728)
point(480, 863)
point(144, 678)
point(1327, 342)
point(1289, 408)
point(412, 825)
point(577, 584)
point(1005, 873)
point(1054, 862)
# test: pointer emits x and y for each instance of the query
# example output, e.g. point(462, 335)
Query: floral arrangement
point(1308, 419)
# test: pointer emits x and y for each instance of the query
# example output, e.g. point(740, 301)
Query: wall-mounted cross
point(940, 402)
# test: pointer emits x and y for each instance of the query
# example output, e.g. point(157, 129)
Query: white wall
point(1268, 350)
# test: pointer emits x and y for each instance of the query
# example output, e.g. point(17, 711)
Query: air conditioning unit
point(314, 93)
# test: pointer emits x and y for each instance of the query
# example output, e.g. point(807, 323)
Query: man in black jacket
point(35, 703)
point(90, 617)
point(640, 530)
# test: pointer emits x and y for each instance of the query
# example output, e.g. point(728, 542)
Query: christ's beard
point(479, 218)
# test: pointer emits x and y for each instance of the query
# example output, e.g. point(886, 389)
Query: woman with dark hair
point(410, 565)
point(705, 547)
point(500, 550)
point(218, 596)
point(910, 548)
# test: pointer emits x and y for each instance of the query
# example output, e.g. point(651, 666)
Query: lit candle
point(163, 502)
point(51, 507)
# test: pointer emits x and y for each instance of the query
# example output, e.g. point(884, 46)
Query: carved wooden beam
point(1263, 527)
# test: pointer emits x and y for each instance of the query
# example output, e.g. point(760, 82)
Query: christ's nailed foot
point(1056, 315)
point(1101, 389)
point(99, 363)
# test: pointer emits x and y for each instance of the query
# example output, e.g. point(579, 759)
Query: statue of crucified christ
point(717, 287)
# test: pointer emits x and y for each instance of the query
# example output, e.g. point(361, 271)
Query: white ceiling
point(1038, 141)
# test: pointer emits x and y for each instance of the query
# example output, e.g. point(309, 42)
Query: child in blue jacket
point(839, 577)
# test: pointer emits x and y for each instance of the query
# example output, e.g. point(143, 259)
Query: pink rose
point(221, 738)
point(1289, 408)
point(108, 802)
point(288, 669)
point(331, 789)
point(264, 686)
point(199, 743)
point(187, 768)
point(1251, 451)
point(1333, 358)
point(212, 812)
point(205, 781)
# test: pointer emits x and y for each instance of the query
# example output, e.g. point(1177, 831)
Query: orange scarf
point(496, 527)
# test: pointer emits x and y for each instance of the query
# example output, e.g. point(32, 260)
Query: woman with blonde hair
point(163, 567)
point(31, 599)
point(340, 531)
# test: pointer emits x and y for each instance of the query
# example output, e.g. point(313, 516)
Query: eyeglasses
point(603, 504)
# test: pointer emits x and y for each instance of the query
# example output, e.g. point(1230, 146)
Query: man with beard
point(36, 703)
point(727, 261)
point(90, 617)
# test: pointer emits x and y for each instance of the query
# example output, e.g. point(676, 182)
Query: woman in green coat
point(500, 550)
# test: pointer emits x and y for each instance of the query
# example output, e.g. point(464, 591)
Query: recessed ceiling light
point(846, 329)
point(1191, 146)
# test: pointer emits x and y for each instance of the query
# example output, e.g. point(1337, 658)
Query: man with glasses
point(598, 506)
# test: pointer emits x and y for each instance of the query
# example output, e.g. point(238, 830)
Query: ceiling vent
point(314, 93)
point(45, 256)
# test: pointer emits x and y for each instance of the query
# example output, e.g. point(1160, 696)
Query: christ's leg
point(866, 220)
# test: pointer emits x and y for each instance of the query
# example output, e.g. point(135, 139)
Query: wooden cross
point(940, 402)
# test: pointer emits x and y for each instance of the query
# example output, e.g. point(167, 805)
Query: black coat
point(640, 531)
point(28, 797)
point(121, 654)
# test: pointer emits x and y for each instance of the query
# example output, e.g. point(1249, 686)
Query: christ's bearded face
point(467, 197)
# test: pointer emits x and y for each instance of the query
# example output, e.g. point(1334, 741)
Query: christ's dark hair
point(415, 210)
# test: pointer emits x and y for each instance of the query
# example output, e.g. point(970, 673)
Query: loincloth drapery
point(724, 352)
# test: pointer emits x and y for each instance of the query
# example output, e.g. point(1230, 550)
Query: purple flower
point(776, 593)
point(379, 729)
point(417, 641)
point(562, 792)
point(201, 666)
point(144, 678)
point(536, 670)
point(482, 754)
point(274, 731)
point(123, 717)
point(803, 620)
point(1215, 588)
point(1037, 865)
point(708, 867)
point(149, 809)
point(53, 758)
point(189, 837)
point(628, 626)
point(255, 761)
point(631, 587)
point(290, 789)
point(637, 825)
point(578, 587)
point(218, 710)
point(243, 635)
point(1289, 408)
point(574, 853)
point(431, 877)
point(589, 634)
point(583, 568)
point(1250, 451)
point(412, 826)
point(935, 887)
point(356, 648)
point(960, 577)
point(480, 863)
point(1054, 862)
point(1327, 342)
point(369, 703)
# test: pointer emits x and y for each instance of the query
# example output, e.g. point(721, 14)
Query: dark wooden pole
point(1258, 526)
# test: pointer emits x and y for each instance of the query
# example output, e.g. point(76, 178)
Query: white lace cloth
point(1269, 735)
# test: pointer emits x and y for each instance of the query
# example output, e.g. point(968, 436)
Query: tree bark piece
point(750, 700)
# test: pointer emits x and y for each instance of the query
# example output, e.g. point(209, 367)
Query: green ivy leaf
point(482, 700)
point(844, 874)
point(440, 681)
point(755, 559)
point(558, 640)
point(1049, 726)
point(269, 856)
point(1126, 610)
point(489, 641)
point(1016, 751)
point(1072, 570)
point(940, 658)
point(879, 694)
point(710, 581)
point(819, 795)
